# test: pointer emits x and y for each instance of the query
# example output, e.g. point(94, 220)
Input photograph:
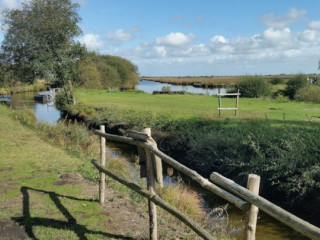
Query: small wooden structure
point(44, 98)
point(228, 94)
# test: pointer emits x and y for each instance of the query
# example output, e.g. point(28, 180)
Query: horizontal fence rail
point(205, 183)
point(273, 210)
point(157, 200)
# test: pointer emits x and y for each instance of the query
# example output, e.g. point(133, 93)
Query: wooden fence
point(220, 108)
point(246, 199)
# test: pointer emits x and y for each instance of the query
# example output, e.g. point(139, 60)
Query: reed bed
point(208, 81)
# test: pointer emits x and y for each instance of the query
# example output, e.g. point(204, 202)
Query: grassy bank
point(36, 87)
point(33, 194)
point(277, 139)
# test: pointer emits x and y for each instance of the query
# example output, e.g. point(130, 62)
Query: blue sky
point(204, 37)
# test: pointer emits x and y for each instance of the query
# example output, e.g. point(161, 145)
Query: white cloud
point(174, 39)
point(278, 39)
point(274, 35)
point(314, 25)
point(10, 4)
point(218, 39)
point(270, 44)
point(161, 51)
point(308, 35)
point(123, 35)
point(279, 22)
point(92, 42)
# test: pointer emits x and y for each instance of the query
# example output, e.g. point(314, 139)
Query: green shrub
point(166, 89)
point(254, 87)
point(285, 157)
point(61, 101)
point(64, 98)
point(294, 84)
point(309, 93)
point(276, 81)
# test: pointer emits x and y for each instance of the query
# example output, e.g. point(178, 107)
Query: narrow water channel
point(151, 86)
point(267, 227)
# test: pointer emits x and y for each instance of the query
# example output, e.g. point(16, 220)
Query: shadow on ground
point(71, 224)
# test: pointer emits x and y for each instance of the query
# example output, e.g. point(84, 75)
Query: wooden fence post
point(237, 104)
point(102, 184)
point(252, 214)
point(153, 228)
point(219, 101)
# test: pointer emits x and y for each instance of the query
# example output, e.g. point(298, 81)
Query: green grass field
point(184, 106)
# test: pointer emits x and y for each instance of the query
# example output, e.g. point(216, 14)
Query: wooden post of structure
point(252, 214)
point(153, 229)
point(237, 104)
point(219, 101)
point(102, 184)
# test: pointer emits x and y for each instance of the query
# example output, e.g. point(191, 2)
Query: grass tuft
point(184, 199)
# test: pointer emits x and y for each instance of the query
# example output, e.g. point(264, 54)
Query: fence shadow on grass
point(71, 224)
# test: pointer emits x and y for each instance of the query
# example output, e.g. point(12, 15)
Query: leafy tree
point(104, 71)
point(88, 75)
point(39, 41)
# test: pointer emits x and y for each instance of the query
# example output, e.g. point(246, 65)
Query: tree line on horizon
point(39, 43)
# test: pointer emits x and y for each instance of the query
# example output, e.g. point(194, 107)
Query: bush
point(276, 81)
point(61, 101)
point(166, 89)
point(284, 156)
point(294, 84)
point(309, 93)
point(254, 87)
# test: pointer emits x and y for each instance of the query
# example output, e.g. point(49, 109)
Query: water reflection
point(150, 86)
point(45, 112)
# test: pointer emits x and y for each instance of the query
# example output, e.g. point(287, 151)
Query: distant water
point(150, 86)
point(45, 112)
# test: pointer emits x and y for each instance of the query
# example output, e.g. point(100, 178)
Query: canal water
point(267, 227)
point(45, 112)
point(150, 86)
